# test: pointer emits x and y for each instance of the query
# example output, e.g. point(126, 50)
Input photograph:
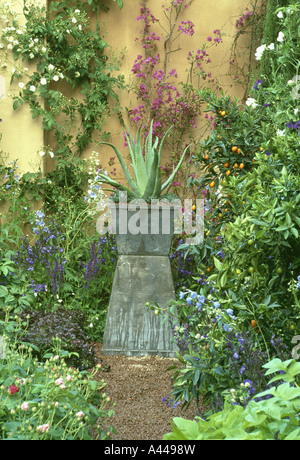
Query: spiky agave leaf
point(166, 185)
point(139, 166)
point(151, 183)
point(107, 180)
point(130, 181)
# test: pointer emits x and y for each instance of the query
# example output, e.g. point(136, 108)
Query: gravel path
point(137, 386)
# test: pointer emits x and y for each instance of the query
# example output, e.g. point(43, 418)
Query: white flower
point(259, 52)
point(41, 153)
point(43, 428)
point(271, 47)
point(31, 55)
point(296, 111)
point(25, 406)
point(80, 414)
point(74, 20)
point(21, 85)
point(32, 88)
point(50, 66)
point(51, 154)
point(280, 15)
point(77, 11)
point(59, 381)
point(280, 132)
point(251, 102)
point(280, 37)
point(56, 78)
point(43, 81)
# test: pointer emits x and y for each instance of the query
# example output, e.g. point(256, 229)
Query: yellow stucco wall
point(23, 137)
point(207, 15)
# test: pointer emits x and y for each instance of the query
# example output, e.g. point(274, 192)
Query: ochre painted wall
point(207, 15)
point(23, 137)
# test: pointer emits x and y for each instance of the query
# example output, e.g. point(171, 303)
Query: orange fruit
point(212, 184)
point(238, 150)
point(235, 165)
point(227, 173)
point(223, 113)
point(226, 165)
point(206, 157)
point(234, 149)
point(253, 323)
point(226, 210)
point(193, 208)
point(242, 166)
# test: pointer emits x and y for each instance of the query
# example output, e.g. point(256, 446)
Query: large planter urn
point(143, 274)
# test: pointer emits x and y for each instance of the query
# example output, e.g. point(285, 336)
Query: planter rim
point(145, 205)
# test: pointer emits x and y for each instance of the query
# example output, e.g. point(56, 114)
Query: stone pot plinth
point(143, 274)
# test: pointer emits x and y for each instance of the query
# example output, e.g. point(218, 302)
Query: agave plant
point(147, 182)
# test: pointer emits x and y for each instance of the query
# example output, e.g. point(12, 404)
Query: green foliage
point(251, 246)
point(49, 401)
point(271, 415)
point(230, 148)
point(272, 27)
point(68, 54)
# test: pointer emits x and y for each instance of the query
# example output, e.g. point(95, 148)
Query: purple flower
point(293, 125)
point(257, 84)
point(249, 383)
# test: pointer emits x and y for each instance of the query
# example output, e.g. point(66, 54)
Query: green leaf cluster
point(272, 415)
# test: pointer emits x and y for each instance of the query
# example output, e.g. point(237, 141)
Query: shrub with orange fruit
point(232, 142)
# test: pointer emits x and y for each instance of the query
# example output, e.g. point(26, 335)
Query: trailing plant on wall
point(249, 32)
point(66, 54)
point(162, 95)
